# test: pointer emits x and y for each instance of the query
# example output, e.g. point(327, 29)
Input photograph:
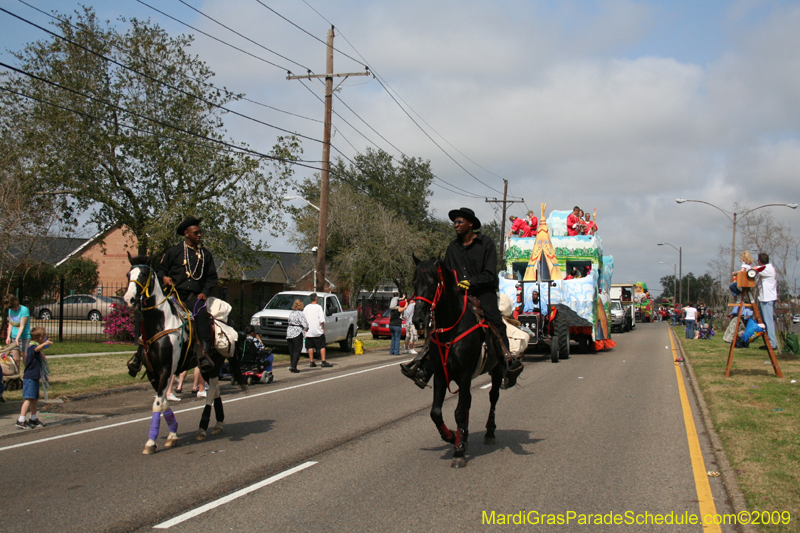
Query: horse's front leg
point(462, 423)
point(494, 395)
point(160, 405)
point(439, 391)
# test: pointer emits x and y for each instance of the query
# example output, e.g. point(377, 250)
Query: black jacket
point(172, 265)
point(476, 263)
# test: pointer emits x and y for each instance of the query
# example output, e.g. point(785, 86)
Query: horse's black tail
point(236, 372)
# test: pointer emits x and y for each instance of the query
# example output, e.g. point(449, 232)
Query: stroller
point(256, 363)
point(11, 372)
point(705, 331)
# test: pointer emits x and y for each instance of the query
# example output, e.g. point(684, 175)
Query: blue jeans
point(394, 348)
point(690, 329)
point(768, 314)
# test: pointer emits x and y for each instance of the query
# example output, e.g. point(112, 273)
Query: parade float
point(541, 264)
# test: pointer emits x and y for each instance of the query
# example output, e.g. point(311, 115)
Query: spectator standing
point(395, 325)
point(767, 296)
point(19, 331)
point(411, 330)
point(30, 380)
point(298, 325)
point(690, 313)
point(315, 336)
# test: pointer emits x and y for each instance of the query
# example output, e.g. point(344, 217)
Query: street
point(593, 434)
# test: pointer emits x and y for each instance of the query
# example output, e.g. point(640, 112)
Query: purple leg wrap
point(172, 424)
point(154, 423)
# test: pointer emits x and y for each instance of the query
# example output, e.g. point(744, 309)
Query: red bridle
point(436, 331)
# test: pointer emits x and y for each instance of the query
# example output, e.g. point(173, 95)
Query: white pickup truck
point(272, 321)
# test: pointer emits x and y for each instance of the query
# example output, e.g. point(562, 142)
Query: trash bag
point(792, 343)
point(752, 331)
point(359, 347)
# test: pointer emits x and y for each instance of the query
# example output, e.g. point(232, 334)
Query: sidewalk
point(138, 396)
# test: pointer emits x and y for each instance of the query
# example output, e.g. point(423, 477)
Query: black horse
point(167, 347)
point(456, 350)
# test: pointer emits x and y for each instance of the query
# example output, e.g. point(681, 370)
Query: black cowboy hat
point(187, 223)
point(467, 213)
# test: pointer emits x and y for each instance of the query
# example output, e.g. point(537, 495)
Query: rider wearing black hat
point(473, 256)
point(191, 269)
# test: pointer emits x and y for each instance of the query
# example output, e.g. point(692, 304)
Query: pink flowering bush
point(119, 324)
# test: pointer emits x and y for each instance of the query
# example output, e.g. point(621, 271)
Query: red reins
point(436, 331)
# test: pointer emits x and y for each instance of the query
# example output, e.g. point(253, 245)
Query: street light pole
point(732, 216)
point(680, 270)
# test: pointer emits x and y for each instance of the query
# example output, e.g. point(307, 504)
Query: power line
point(242, 36)
point(230, 147)
point(185, 75)
point(151, 78)
point(384, 85)
point(215, 38)
point(308, 32)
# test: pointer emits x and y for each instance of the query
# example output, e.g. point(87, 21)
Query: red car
point(380, 327)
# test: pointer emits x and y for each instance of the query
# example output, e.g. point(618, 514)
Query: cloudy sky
point(617, 105)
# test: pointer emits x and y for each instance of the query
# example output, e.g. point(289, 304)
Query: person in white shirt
point(767, 295)
point(315, 336)
point(690, 317)
point(411, 330)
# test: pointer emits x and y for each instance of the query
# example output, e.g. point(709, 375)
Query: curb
point(728, 475)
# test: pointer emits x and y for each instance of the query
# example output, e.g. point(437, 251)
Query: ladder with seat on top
point(745, 280)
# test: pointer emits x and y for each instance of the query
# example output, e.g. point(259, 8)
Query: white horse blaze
point(130, 294)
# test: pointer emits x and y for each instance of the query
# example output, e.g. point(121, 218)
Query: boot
point(511, 372)
point(204, 362)
point(134, 364)
point(419, 370)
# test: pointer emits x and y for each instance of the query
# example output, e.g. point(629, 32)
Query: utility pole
point(504, 201)
point(319, 278)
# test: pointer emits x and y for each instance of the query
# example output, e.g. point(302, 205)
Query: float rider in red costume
point(473, 257)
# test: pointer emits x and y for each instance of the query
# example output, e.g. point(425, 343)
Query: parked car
point(380, 327)
point(796, 319)
point(272, 321)
point(80, 307)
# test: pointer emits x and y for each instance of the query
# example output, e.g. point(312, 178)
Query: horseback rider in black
point(191, 269)
point(473, 257)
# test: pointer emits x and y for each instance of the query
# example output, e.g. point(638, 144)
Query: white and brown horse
point(167, 347)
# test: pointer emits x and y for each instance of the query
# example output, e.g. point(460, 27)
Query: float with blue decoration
point(572, 278)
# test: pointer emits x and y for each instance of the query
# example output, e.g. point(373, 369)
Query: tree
point(402, 187)
point(668, 286)
point(80, 273)
point(143, 145)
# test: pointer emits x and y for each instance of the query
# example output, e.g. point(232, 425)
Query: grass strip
point(757, 417)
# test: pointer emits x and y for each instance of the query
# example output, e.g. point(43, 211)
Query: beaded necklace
point(191, 273)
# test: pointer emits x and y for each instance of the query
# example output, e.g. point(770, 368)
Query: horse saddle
point(478, 310)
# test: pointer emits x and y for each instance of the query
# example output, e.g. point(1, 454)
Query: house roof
point(50, 250)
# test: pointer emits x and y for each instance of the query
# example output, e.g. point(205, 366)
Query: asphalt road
point(594, 434)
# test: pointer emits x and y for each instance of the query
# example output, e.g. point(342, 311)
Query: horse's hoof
point(217, 429)
point(171, 442)
point(458, 462)
point(149, 450)
point(489, 440)
point(200, 435)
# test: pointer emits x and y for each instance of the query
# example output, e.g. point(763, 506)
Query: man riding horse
point(191, 270)
point(473, 257)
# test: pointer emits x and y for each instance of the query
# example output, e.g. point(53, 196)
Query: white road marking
point(486, 386)
point(230, 497)
point(149, 417)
